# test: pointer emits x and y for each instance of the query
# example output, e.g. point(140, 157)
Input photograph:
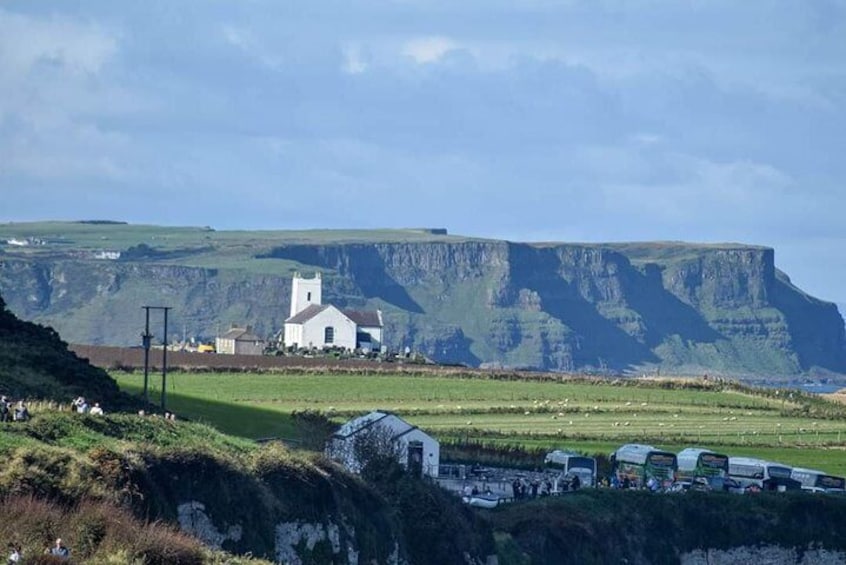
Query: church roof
point(366, 318)
point(307, 314)
point(363, 318)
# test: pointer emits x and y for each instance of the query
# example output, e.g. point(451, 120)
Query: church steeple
point(305, 292)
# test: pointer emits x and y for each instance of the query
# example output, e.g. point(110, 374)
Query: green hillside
point(36, 363)
point(119, 488)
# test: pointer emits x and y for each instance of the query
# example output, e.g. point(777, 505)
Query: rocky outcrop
point(606, 308)
point(295, 542)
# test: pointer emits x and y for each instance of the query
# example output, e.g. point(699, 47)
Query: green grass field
point(194, 246)
point(100, 235)
point(591, 417)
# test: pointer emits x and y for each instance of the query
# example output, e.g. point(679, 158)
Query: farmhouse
point(240, 341)
point(415, 450)
point(314, 324)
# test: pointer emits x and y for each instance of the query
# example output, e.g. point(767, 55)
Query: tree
point(377, 454)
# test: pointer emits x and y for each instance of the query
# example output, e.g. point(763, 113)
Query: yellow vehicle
point(205, 348)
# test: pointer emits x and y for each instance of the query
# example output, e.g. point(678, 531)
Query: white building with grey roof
point(239, 341)
point(416, 450)
point(314, 324)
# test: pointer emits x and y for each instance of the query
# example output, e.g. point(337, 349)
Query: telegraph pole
point(164, 357)
point(146, 340)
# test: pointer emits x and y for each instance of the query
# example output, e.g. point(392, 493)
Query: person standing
point(60, 550)
point(4, 409)
point(15, 554)
point(21, 412)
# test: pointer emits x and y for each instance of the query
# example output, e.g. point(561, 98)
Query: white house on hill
point(314, 324)
point(417, 451)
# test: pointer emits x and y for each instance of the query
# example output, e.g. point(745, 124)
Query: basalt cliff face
point(577, 307)
point(619, 307)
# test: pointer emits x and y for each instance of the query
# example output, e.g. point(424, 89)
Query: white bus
point(697, 463)
point(573, 465)
point(758, 474)
point(817, 481)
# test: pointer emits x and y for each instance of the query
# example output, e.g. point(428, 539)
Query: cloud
point(694, 189)
point(576, 120)
point(62, 153)
point(355, 59)
point(246, 41)
point(51, 71)
point(428, 49)
point(76, 48)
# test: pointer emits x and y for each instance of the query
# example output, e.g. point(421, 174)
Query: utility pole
point(146, 340)
point(164, 357)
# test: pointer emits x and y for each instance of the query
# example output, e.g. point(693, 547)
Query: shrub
point(95, 532)
point(314, 428)
point(159, 544)
point(91, 528)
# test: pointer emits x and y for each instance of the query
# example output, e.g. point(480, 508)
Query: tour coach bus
point(695, 462)
point(573, 464)
point(817, 481)
point(638, 463)
point(764, 475)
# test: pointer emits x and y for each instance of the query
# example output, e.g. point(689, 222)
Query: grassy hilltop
point(610, 308)
point(36, 363)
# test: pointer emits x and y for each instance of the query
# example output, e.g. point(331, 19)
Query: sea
point(819, 388)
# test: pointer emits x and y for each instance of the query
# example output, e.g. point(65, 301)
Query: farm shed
point(415, 450)
point(240, 341)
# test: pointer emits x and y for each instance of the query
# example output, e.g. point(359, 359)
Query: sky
point(528, 120)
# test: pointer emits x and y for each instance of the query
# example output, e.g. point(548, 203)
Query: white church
point(314, 324)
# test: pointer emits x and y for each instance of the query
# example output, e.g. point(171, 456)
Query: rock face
point(669, 306)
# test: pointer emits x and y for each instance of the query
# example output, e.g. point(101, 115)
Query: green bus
point(697, 466)
point(637, 463)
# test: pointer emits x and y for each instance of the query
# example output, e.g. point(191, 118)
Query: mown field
point(592, 416)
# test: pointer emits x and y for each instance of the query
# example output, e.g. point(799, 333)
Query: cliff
point(637, 527)
point(674, 307)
